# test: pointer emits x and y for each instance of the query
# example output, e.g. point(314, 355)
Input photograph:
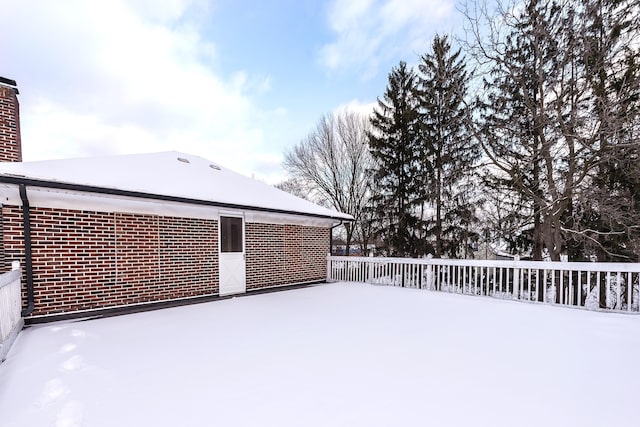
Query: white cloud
point(123, 77)
point(370, 32)
point(357, 106)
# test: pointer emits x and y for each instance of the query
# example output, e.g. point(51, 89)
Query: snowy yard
point(330, 355)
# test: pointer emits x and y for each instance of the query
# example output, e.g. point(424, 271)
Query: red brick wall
point(161, 258)
point(85, 260)
point(284, 254)
point(189, 255)
point(73, 260)
point(10, 145)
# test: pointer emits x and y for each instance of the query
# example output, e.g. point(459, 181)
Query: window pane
point(230, 234)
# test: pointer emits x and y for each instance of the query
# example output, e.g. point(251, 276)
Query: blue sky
point(238, 82)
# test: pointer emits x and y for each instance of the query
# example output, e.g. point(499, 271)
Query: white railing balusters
point(572, 296)
point(554, 282)
point(579, 289)
point(588, 287)
point(609, 290)
point(598, 296)
point(629, 291)
point(493, 284)
point(618, 292)
point(10, 308)
point(464, 279)
point(487, 281)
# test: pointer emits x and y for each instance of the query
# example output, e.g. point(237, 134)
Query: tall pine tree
point(448, 152)
point(395, 144)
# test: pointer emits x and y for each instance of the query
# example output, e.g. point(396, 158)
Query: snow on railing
point(10, 309)
point(594, 286)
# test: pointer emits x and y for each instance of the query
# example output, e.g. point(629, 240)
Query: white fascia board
point(275, 218)
point(80, 200)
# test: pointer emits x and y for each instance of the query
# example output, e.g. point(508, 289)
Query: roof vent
point(216, 167)
point(183, 160)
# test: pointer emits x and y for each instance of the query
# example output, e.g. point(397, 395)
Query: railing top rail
point(539, 265)
point(9, 277)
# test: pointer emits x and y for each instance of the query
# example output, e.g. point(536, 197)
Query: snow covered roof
point(172, 174)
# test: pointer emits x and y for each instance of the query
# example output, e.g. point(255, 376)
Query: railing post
point(328, 268)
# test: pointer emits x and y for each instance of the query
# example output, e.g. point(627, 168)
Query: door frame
point(222, 255)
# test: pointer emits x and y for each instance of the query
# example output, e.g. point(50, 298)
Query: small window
point(230, 234)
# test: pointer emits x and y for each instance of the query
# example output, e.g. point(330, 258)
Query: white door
point(231, 256)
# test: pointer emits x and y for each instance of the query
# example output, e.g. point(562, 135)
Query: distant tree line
point(526, 135)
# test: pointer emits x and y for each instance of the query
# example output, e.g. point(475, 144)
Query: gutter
point(142, 195)
point(331, 236)
point(28, 259)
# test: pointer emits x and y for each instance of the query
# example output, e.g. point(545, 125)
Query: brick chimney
point(10, 144)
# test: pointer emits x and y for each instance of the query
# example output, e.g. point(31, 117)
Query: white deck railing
point(594, 286)
point(10, 309)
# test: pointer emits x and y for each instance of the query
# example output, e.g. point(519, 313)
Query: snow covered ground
point(330, 355)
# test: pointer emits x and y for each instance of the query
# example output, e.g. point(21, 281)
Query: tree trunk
point(438, 209)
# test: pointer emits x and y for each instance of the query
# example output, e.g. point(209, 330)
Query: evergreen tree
point(395, 144)
point(448, 151)
point(610, 209)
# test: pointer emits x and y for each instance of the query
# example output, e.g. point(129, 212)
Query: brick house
point(103, 233)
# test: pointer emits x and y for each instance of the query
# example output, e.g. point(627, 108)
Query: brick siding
point(285, 254)
point(10, 145)
point(85, 260)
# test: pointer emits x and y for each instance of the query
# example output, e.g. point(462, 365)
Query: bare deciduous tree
point(553, 86)
point(331, 163)
point(295, 187)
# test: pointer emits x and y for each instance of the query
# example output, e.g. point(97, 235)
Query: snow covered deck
point(342, 354)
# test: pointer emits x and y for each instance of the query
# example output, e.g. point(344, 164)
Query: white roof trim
point(77, 200)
